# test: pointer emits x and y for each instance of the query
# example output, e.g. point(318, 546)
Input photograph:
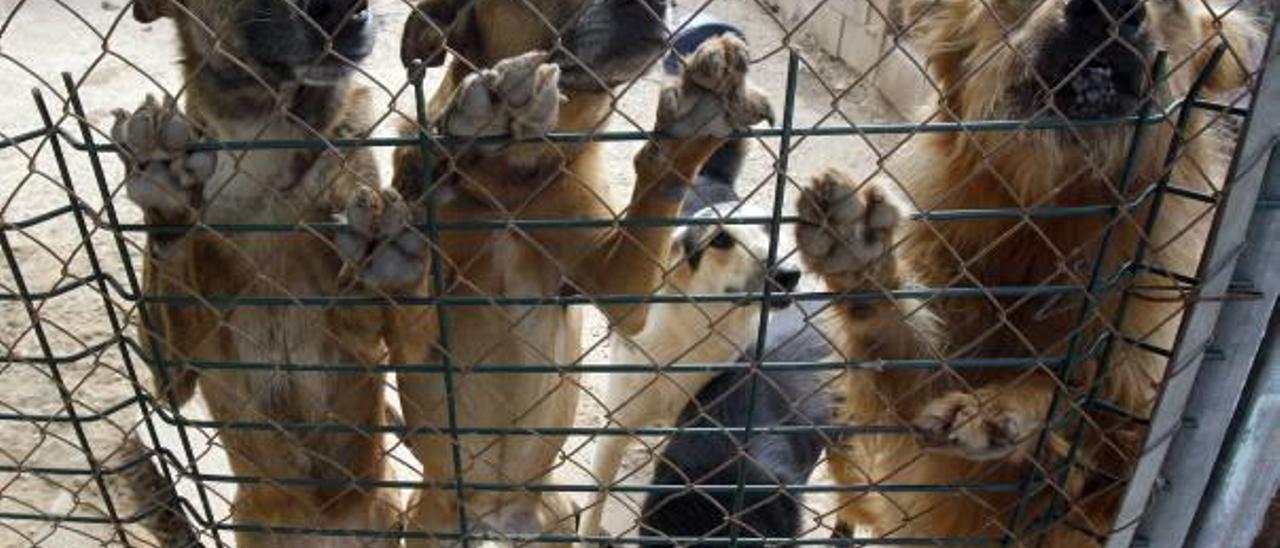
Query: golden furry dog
point(268, 69)
point(503, 84)
point(1079, 59)
point(704, 260)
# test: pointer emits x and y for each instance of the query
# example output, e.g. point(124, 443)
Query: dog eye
point(722, 240)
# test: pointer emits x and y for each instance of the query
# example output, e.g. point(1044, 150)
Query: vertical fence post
point(37, 327)
point(117, 327)
point(157, 359)
point(1111, 337)
point(762, 334)
point(1075, 354)
point(1170, 516)
point(417, 72)
point(1237, 339)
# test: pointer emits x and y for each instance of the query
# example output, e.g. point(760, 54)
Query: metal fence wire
point(710, 272)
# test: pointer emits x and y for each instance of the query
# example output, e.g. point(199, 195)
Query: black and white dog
point(705, 259)
point(721, 258)
point(791, 398)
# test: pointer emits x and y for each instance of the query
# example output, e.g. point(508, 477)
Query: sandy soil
point(115, 61)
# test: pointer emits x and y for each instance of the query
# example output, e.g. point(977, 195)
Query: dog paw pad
point(843, 229)
point(381, 248)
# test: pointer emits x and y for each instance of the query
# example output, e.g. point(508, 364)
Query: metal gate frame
point(1221, 340)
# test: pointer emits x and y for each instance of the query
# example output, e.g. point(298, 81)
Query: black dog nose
point(1127, 15)
point(785, 278)
point(332, 14)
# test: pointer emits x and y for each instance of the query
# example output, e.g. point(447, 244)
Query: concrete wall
point(856, 31)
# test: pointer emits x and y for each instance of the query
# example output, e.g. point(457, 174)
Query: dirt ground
point(115, 61)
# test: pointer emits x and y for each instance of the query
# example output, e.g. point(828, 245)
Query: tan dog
point(978, 424)
point(266, 69)
point(704, 260)
point(518, 93)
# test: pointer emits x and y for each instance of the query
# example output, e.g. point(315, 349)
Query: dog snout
point(1094, 16)
point(331, 15)
point(785, 279)
point(1096, 64)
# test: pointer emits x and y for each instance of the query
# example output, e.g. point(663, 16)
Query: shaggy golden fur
point(516, 91)
point(976, 424)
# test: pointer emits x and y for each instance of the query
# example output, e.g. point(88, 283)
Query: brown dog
point(518, 92)
point(267, 69)
point(1074, 58)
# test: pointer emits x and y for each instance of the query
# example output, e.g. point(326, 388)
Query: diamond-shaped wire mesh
point(373, 273)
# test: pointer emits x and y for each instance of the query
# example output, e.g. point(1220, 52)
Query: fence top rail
point(976, 126)
point(1179, 284)
point(6, 141)
point(218, 301)
point(939, 215)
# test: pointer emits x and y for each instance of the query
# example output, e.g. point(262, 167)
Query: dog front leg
point(991, 422)
point(631, 401)
point(846, 235)
point(167, 182)
point(711, 99)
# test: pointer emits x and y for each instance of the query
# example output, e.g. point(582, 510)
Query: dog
point(268, 69)
point(704, 260)
point(712, 332)
point(1076, 59)
point(792, 398)
point(782, 398)
point(503, 82)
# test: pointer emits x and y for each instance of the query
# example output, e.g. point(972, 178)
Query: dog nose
point(1127, 15)
point(785, 278)
point(332, 14)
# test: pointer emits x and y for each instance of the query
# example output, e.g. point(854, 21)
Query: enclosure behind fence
point(709, 272)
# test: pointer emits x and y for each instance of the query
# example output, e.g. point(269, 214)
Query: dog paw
point(973, 427)
point(381, 249)
point(161, 176)
point(519, 96)
point(842, 230)
point(712, 95)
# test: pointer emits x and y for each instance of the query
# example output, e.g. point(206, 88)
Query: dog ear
point(691, 245)
point(432, 25)
point(944, 32)
point(146, 11)
point(916, 15)
point(677, 252)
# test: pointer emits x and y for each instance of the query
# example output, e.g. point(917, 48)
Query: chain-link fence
point(915, 272)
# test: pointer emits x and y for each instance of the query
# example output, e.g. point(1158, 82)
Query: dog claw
point(518, 96)
point(843, 230)
point(161, 176)
point(382, 250)
point(971, 427)
point(713, 96)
